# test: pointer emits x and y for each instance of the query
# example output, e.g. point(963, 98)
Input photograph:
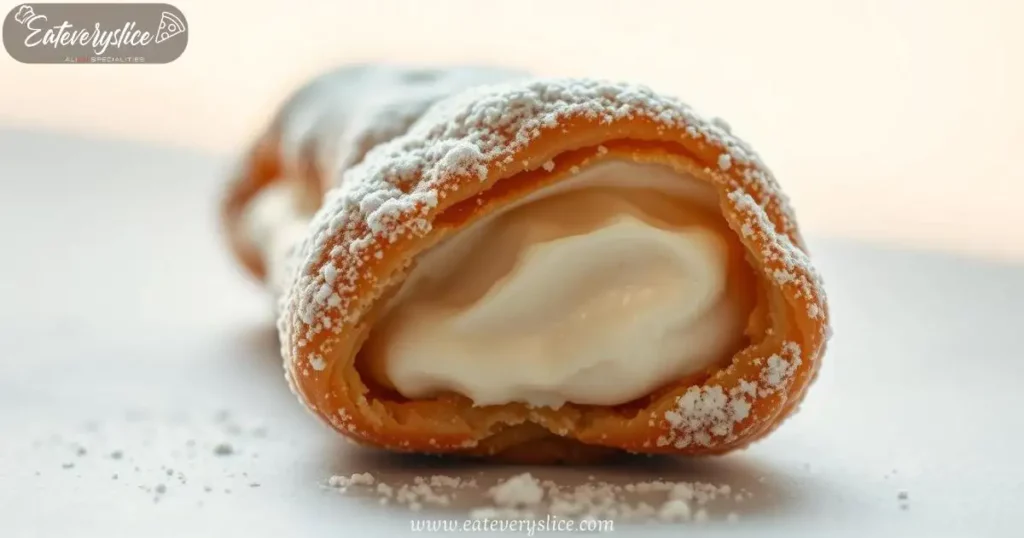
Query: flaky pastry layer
point(471, 155)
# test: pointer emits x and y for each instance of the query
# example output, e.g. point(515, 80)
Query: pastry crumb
point(674, 510)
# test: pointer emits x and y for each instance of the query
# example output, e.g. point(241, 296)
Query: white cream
point(274, 222)
point(589, 292)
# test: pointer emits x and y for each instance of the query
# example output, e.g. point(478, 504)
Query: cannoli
point(476, 263)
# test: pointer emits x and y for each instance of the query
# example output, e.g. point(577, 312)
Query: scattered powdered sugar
point(158, 454)
point(904, 500)
point(340, 115)
point(793, 268)
point(709, 415)
point(423, 491)
point(674, 510)
point(521, 490)
point(317, 362)
point(777, 372)
point(724, 161)
point(338, 481)
point(721, 124)
point(525, 496)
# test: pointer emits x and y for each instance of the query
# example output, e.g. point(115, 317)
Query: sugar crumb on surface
point(520, 490)
point(524, 496)
point(341, 481)
point(152, 452)
point(674, 510)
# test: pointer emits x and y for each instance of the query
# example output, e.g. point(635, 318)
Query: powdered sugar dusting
point(340, 115)
point(786, 263)
point(713, 415)
point(393, 194)
point(724, 161)
point(317, 362)
point(390, 194)
point(721, 124)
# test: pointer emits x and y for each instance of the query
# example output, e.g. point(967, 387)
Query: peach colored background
point(892, 120)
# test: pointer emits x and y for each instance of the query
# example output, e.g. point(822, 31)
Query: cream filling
point(596, 291)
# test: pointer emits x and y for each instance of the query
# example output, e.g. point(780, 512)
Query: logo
point(95, 33)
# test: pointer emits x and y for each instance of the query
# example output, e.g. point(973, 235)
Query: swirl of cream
point(596, 291)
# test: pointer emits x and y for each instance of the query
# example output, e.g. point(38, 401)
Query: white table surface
point(125, 326)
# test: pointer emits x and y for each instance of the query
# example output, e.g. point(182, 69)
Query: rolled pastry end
point(477, 156)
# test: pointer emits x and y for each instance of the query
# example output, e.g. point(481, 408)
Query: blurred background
point(894, 120)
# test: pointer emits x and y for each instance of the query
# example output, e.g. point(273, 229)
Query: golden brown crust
point(328, 126)
point(260, 168)
point(478, 153)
